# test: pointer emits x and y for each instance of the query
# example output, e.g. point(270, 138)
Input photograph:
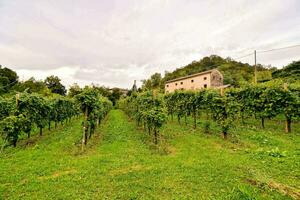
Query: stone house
point(208, 79)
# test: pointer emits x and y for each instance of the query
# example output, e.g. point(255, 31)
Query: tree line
point(10, 84)
point(9, 81)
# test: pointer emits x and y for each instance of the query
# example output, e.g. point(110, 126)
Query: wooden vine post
point(17, 100)
point(288, 121)
point(285, 86)
point(84, 136)
point(155, 135)
point(224, 133)
point(222, 91)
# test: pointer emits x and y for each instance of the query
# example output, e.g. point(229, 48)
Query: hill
point(235, 73)
point(290, 73)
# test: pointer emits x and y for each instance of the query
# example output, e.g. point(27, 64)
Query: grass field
point(120, 162)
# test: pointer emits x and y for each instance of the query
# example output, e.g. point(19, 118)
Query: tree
point(155, 82)
point(8, 78)
point(32, 86)
point(74, 90)
point(104, 91)
point(147, 85)
point(54, 84)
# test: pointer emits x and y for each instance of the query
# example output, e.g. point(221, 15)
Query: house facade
point(208, 79)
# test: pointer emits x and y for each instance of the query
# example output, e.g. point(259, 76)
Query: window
point(181, 83)
point(205, 78)
point(205, 86)
point(181, 89)
point(175, 83)
point(192, 81)
point(167, 85)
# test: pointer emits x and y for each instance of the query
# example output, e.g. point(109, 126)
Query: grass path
point(121, 164)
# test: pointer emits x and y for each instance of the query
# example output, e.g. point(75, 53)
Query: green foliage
point(155, 82)
point(187, 103)
point(35, 108)
point(224, 110)
point(88, 100)
point(277, 153)
point(268, 101)
point(74, 90)
point(148, 109)
point(61, 109)
point(21, 113)
point(290, 73)
point(8, 78)
point(196, 166)
point(54, 84)
point(11, 128)
point(32, 86)
point(6, 107)
point(115, 95)
point(94, 107)
point(263, 101)
point(206, 128)
point(242, 192)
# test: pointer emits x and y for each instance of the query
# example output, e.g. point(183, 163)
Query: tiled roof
point(192, 75)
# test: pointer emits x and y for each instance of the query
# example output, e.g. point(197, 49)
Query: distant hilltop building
point(134, 87)
point(208, 79)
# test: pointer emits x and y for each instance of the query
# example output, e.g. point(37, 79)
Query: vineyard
point(150, 100)
point(225, 108)
point(24, 112)
point(234, 143)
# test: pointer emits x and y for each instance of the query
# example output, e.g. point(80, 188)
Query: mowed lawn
point(120, 162)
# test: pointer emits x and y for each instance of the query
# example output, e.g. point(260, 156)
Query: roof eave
point(190, 76)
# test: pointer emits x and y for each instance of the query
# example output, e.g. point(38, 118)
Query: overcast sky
point(112, 43)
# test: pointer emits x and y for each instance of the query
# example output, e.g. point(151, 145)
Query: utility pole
point(255, 68)
point(17, 99)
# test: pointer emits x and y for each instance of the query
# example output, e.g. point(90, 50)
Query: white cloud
point(116, 42)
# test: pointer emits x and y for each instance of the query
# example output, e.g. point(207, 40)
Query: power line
point(244, 56)
point(268, 50)
point(281, 48)
point(265, 51)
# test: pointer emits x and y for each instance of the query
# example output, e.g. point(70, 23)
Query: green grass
point(121, 163)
